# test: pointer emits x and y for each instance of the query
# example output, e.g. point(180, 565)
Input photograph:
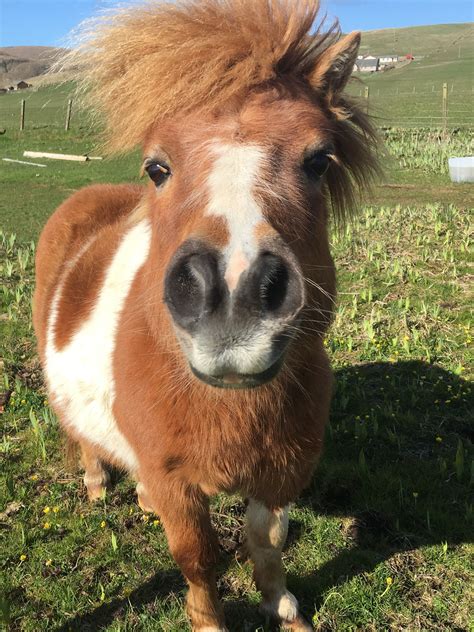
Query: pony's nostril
point(272, 287)
point(193, 287)
point(274, 284)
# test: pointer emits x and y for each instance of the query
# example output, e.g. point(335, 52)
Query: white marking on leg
point(287, 607)
point(80, 376)
point(266, 536)
point(266, 524)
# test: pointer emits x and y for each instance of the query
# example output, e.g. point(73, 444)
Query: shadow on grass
point(392, 471)
point(395, 469)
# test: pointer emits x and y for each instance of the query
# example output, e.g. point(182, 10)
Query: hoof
point(298, 625)
point(142, 499)
point(284, 610)
point(96, 492)
point(96, 486)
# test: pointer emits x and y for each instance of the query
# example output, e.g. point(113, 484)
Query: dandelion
point(45, 403)
point(439, 439)
point(156, 523)
point(388, 582)
point(145, 518)
point(22, 557)
point(103, 524)
point(56, 509)
point(34, 477)
point(23, 401)
point(48, 562)
point(47, 525)
point(46, 510)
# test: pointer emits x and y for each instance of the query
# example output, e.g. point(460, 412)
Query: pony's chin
point(239, 380)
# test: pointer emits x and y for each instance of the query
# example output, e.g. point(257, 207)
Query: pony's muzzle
point(234, 338)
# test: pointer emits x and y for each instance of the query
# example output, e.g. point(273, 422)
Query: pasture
point(382, 539)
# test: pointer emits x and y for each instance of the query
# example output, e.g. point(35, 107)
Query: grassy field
point(412, 95)
point(381, 540)
point(419, 40)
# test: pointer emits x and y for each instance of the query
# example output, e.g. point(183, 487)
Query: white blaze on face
point(231, 186)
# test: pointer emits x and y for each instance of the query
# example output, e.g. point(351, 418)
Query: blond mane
point(139, 65)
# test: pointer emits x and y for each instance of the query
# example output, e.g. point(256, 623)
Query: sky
point(48, 22)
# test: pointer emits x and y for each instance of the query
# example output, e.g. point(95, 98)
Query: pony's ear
point(335, 66)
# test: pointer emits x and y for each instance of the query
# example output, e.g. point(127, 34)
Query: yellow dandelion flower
point(156, 523)
point(56, 509)
point(46, 510)
point(22, 557)
point(389, 582)
point(439, 439)
point(34, 477)
point(47, 525)
point(48, 562)
point(145, 518)
point(23, 401)
point(103, 524)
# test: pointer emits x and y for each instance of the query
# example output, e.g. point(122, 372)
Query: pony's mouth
point(239, 380)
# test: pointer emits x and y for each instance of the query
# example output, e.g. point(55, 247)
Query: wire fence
point(396, 104)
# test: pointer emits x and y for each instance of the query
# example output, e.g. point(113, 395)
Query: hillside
point(439, 39)
point(24, 62)
point(446, 54)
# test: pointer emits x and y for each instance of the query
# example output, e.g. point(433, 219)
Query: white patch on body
point(231, 195)
point(80, 375)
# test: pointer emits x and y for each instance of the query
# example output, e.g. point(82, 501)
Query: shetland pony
point(180, 325)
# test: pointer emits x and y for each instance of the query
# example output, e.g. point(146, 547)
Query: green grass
point(412, 95)
point(419, 40)
point(382, 538)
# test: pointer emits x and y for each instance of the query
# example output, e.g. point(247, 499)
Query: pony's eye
point(158, 172)
point(316, 165)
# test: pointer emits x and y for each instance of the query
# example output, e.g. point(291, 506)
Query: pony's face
point(239, 223)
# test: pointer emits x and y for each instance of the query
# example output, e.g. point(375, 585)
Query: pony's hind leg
point(266, 534)
point(96, 477)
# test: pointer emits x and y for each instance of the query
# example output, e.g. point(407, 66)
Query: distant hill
point(443, 53)
point(19, 63)
point(419, 40)
point(446, 52)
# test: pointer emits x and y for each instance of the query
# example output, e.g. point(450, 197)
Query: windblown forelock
point(141, 64)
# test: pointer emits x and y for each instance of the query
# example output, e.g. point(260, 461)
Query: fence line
point(445, 107)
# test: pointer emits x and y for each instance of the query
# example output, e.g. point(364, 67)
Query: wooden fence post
point(366, 96)
point(22, 115)
point(68, 115)
point(445, 106)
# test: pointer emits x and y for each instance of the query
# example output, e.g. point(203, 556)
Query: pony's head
point(247, 139)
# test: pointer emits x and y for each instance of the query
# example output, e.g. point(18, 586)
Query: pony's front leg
point(266, 535)
point(184, 512)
